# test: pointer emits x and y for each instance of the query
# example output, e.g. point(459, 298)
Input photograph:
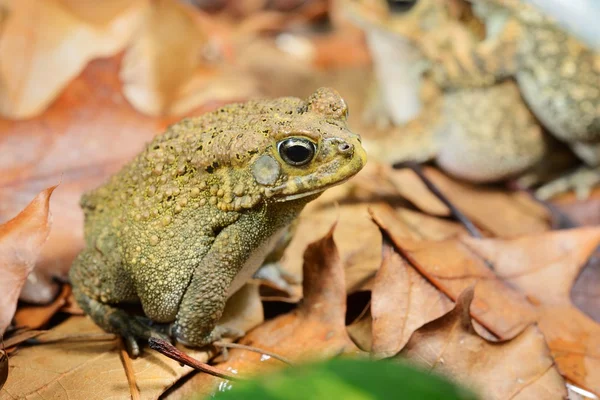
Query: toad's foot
point(582, 181)
point(136, 328)
point(131, 328)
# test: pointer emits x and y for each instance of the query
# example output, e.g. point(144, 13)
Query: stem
point(167, 349)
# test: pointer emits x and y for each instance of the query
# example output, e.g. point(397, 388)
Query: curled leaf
point(21, 240)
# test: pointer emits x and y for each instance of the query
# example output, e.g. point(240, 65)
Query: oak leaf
point(521, 368)
point(21, 240)
point(544, 268)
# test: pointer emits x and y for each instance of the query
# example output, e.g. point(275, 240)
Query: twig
point(167, 349)
point(455, 212)
point(128, 366)
point(21, 337)
point(253, 349)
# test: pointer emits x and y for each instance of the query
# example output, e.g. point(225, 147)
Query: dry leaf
point(452, 267)
point(164, 71)
point(521, 368)
point(544, 267)
point(401, 301)
point(316, 329)
point(93, 369)
point(21, 240)
point(34, 317)
point(415, 225)
point(360, 258)
point(44, 45)
point(502, 213)
point(361, 332)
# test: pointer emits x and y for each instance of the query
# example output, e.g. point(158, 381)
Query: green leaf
point(348, 379)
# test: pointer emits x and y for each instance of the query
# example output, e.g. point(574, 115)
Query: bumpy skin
point(182, 226)
point(558, 76)
point(485, 131)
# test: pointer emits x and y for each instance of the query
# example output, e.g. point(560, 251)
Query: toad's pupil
point(399, 6)
point(298, 153)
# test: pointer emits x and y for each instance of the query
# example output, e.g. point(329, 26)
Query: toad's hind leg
point(489, 134)
point(96, 286)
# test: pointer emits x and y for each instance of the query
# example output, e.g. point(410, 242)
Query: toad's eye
point(297, 151)
point(400, 6)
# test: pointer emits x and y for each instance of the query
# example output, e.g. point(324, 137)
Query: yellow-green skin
point(183, 225)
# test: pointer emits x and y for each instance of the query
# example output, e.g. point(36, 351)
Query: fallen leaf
point(21, 240)
point(34, 317)
point(43, 46)
point(314, 330)
point(499, 212)
point(415, 225)
point(544, 267)
point(164, 71)
point(93, 369)
point(452, 267)
point(401, 302)
point(360, 259)
point(361, 331)
point(521, 368)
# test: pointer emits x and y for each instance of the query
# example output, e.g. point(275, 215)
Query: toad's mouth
point(297, 196)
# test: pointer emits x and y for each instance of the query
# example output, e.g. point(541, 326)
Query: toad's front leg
point(238, 251)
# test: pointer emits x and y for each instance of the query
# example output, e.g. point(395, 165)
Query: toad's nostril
point(345, 148)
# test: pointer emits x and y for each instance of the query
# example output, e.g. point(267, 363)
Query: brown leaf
point(34, 317)
point(21, 240)
point(452, 267)
point(164, 72)
point(520, 368)
point(401, 302)
point(361, 332)
point(502, 213)
point(316, 329)
point(403, 222)
point(44, 45)
point(360, 258)
point(544, 267)
point(93, 369)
